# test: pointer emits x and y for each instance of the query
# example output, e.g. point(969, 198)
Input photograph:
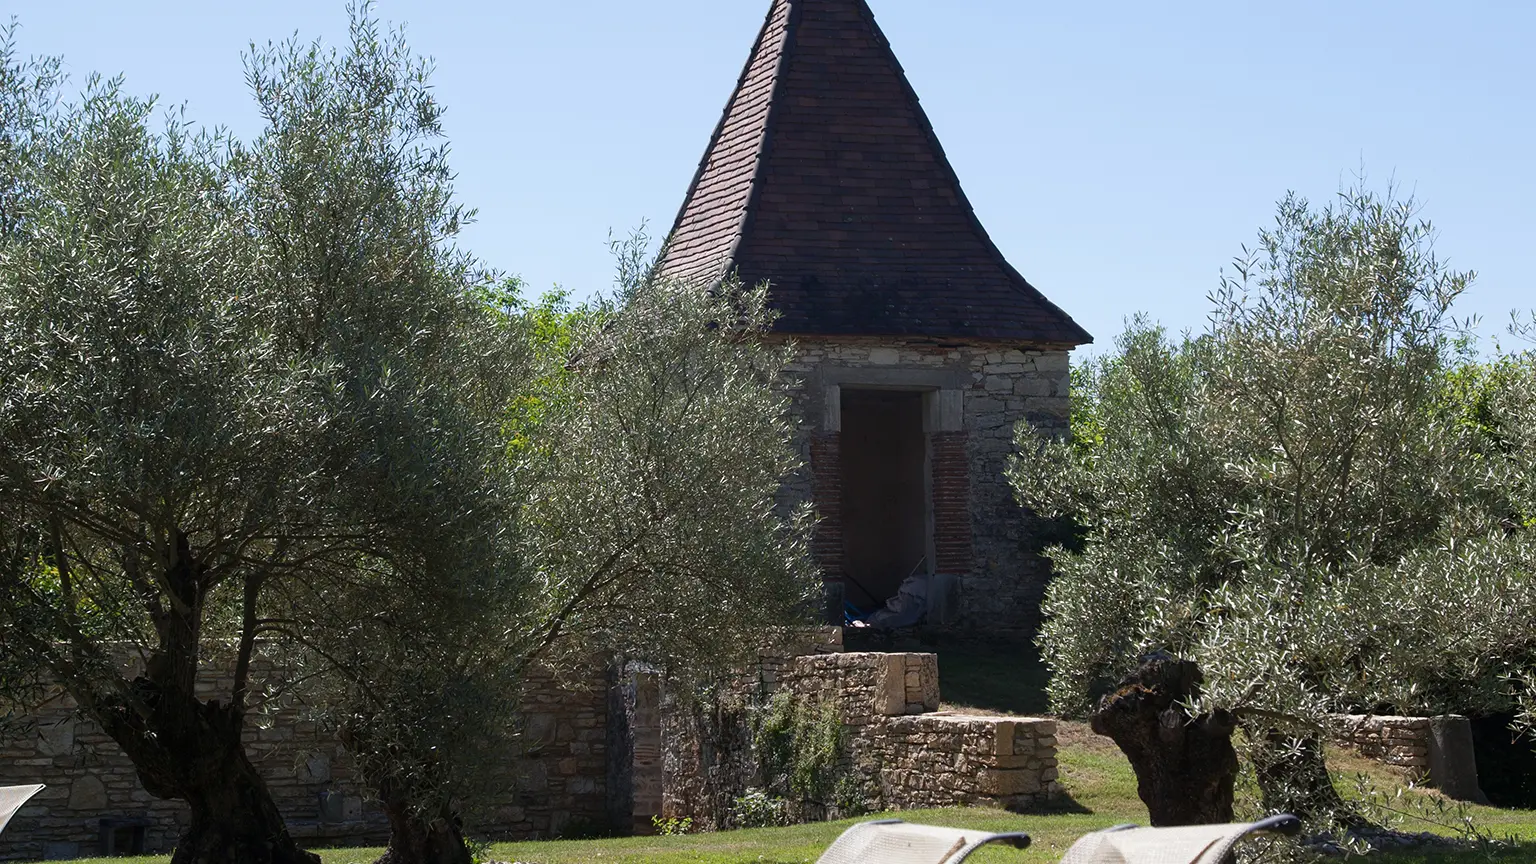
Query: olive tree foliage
point(237, 382)
point(645, 450)
point(1295, 499)
point(650, 466)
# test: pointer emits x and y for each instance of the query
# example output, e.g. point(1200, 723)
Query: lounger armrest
point(1283, 823)
point(1016, 839)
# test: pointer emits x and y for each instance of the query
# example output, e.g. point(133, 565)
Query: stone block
point(88, 793)
point(57, 739)
point(1053, 361)
point(1032, 386)
point(61, 850)
point(1004, 781)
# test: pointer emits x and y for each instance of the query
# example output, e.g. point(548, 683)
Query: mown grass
point(1101, 792)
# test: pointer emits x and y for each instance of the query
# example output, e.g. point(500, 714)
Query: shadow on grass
point(985, 677)
point(1004, 679)
point(1062, 805)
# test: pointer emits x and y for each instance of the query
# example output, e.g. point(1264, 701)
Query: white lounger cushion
point(896, 842)
point(11, 799)
point(1193, 844)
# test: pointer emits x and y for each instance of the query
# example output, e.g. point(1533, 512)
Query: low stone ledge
point(1438, 749)
point(1399, 741)
point(866, 684)
point(938, 759)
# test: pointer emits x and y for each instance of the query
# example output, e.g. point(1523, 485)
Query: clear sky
point(1118, 152)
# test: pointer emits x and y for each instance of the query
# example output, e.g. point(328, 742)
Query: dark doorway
point(885, 492)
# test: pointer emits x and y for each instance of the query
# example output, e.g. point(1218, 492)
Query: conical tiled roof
point(824, 178)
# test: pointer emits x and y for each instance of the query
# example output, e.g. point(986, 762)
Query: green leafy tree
point(1300, 499)
point(235, 382)
point(651, 478)
point(645, 450)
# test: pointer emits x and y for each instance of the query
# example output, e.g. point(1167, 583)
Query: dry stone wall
point(866, 685)
point(706, 737)
point(94, 803)
point(1400, 741)
point(946, 760)
point(1438, 749)
point(599, 753)
point(899, 749)
point(979, 394)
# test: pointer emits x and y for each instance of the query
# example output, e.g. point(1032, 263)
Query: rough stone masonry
point(94, 804)
point(902, 751)
point(985, 546)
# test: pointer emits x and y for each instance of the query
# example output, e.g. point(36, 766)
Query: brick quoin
point(827, 493)
point(951, 503)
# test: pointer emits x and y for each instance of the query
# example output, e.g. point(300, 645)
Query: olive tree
point(1293, 499)
point(651, 476)
point(236, 381)
point(645, 452)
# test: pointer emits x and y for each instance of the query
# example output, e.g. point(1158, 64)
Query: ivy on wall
point(801, 749)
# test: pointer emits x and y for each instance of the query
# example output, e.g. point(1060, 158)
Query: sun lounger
point(11, 799)
point(892, 841)
point(1192, 844)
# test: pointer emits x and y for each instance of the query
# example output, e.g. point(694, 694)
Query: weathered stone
point(88, 793)
point(312, 780)
point(58, 738)
point(918, 760)
point(1004, 781)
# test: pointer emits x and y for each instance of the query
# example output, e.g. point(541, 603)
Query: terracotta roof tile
point(824, 177)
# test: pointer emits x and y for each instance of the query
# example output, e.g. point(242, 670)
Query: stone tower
point(919, 346)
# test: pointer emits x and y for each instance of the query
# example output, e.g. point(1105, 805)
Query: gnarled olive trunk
point(235, 819)
point(191, 750)
point(416, 839)
point(1185, 767)
point(188, 749)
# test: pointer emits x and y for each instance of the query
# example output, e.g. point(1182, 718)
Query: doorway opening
point(884, 455)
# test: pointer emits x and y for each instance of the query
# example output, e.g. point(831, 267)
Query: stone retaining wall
point(597, 754)
point(558, 784)
point(901, 751)
point(867, 685)
point(1438, 750)
point(947, 760)
point(1400, 741)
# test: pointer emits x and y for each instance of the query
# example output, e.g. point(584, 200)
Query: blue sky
point(1118, 152)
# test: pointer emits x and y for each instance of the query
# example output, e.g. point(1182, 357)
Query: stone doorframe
point(947, 469)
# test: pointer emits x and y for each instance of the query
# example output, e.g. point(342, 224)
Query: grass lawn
point(1099, 782)
point(1102, 793)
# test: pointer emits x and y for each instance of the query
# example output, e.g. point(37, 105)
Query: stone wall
point(982, 541)
point(598, 752)
point(706, 737)
point(557, 785)
point(1439, 750)
point(1400, 741)
point(901, 751)
point(947, 760)
point(866, 685)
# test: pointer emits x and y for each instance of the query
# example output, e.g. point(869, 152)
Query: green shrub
point(758, 809)
point(800, 747)
point(672, 827)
